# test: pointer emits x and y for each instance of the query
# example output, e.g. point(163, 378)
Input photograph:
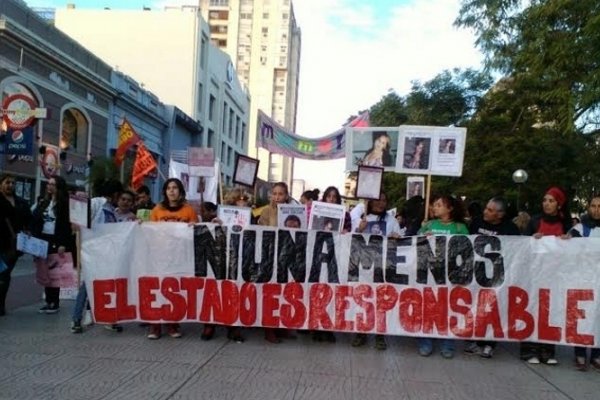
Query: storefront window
point(73, 136)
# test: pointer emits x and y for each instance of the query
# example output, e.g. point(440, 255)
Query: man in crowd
point(492, 222)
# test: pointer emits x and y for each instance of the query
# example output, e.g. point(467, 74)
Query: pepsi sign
point(19, 141)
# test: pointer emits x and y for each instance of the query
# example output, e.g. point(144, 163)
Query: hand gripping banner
point(502, 288)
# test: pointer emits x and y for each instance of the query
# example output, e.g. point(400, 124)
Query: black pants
point(582, 352)
point(52, 295)
point(543, 351)
point(4, 285)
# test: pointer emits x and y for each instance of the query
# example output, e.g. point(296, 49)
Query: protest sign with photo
point(231, 215)
point(415, 186)
point(431, 150)
point(201, 161)
point(291, 216)
point(326, 217)
point(371, 147)
point(78, 209)
point(246, 169)
point(369, 182)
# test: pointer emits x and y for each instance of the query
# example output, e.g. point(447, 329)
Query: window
point(210, 139)
point(224, 117)
point(74, 131)
point(211, 107)
point(265, 30)
point(200, 92)
point(265, 15)
point(285, 16)
point(231, 118)
point(223, 152)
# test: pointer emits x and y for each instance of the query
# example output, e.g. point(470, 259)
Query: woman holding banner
point(377, 215)
point(268, 217)
point(173, 208)
point(449, 219)
point(555, 220)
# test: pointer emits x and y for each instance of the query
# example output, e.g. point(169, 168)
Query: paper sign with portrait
point(369, 182)
point(431, 150)
point(291, 216)
point(415, 186)
point(371, 147)
point(326, 217)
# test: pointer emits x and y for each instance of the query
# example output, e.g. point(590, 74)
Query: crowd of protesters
point(49, 220)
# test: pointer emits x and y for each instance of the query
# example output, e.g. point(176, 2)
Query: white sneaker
point(552, 361)
point(533, 360)
point(487, 352)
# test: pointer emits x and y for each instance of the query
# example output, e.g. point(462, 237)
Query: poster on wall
point(50, 161)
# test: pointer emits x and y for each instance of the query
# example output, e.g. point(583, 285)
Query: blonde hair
point(236, 194)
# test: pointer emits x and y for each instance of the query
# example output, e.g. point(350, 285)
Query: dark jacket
point(63, 235)
point(480, 227)
point(19, 217)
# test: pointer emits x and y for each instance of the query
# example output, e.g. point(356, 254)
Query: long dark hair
point(165, 202)
point(61, 196)
point(337, 194)
point(383, 214)
point(386, 157)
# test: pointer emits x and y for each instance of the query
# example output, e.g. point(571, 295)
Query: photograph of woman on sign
point(416, 153)
point(372, 147)
point(379, 153)
point(447, 146)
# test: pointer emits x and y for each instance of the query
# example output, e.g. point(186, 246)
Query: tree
point(551, 48)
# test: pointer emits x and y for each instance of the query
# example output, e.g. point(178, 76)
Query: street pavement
point(42, 359)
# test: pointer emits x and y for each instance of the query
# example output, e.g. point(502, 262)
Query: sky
point(353, 53)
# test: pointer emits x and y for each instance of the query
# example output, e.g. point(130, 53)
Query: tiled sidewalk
point(41, 359)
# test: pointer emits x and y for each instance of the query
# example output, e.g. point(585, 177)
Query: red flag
point(361, 121)
point(127, 138)
point(144, 164)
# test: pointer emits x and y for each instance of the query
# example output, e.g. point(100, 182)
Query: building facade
point(181, 67)
point(265, 42)
point(51, 72)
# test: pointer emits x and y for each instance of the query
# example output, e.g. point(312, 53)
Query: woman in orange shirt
point(173, 208)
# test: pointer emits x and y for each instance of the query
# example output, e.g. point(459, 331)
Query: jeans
point(80, 302)
point(447, 344)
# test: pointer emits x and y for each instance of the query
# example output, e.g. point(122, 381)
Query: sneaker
point(87, 318)
point(76, 327)
point(595, 363)
point(114, 328)
point(487, 352)
point(174, 331)
point(472, 348)
point(51, 308)
point(359, 340)
point(447, 354)
point(552, 361)
point(533, 360)
point(425, 351)
point(380, 343)
point(154, 332)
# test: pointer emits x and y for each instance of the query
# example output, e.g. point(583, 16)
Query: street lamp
point(519, 177)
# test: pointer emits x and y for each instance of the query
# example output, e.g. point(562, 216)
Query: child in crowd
point(449, 220)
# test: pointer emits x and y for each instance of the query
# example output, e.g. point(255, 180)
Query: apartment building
point(169, 52)
point(263, 39)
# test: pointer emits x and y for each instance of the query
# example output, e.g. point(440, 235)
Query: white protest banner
point(291, 216)
point(464, 287)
